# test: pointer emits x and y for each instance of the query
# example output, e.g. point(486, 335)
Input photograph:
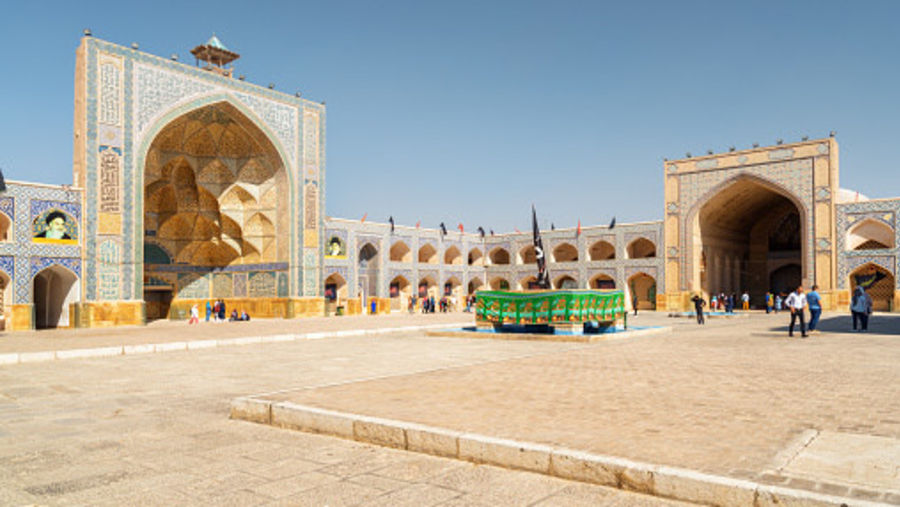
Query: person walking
point(712, 303)
point(729, 304)
point(795, 302)
point(634, 303)
point(699, 303)
point(208, 310)
point(770, 302)
point(195, 315)
point(861, 308)
point(814, 302)
point(745, 301)
point(778, 302)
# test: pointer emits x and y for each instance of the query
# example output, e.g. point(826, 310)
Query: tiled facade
point(355, 235)
point(125, 100)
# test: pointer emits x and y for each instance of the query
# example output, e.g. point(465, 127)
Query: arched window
point(527, 255)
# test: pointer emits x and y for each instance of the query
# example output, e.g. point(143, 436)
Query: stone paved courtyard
point(736, 398)
point(153, 429)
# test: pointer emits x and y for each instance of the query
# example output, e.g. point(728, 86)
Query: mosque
point(191, 184)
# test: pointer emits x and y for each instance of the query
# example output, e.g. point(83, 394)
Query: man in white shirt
point(795, 302)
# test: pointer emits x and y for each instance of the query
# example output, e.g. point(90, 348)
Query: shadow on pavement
point(879, 324)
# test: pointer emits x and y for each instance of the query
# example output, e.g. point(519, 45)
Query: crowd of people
point(796, 302)
point(216, 311)
point(428, 304)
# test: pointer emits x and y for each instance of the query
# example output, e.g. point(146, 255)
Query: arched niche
point(400, 252)
point(643, 286)
point(641, 248)
point(565, 252)
point(54, 288)
point(602, 281)
point(565, 282)
point(870, 234)
point(499, 256)
point(602, 251)
point(475, 256)
point(527, 255)
point(453, 256)
point(428, 254)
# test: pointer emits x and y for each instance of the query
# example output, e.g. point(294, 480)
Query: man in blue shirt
point(815, 307)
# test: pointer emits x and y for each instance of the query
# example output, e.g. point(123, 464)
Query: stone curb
point(151, 348)
point(658, 480)
point(590, 338)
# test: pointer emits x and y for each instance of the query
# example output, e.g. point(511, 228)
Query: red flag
point(517, 230)
point(418, 224)
point(364, 217)
point(461, 228)
point(578, 230)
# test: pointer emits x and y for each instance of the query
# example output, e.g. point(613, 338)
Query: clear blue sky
point(470, 111)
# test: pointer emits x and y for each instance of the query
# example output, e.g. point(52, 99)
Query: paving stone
point(163, 418)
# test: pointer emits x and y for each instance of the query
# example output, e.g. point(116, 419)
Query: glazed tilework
point(20, 200)
point(8, 266)
point(695, 188)
point(379, 235)
point(886, 211)
point(137, 93)
point(8, 207)
point(39, 264)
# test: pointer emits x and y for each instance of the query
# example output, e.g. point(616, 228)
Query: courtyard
point(735, 398)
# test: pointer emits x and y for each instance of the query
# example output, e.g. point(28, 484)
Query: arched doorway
point(453, 292)
point(785, 279)
point(428, 288)
point(368, 271)
point(335, 292)
point(643, 286)
point(475, 284)
point(215, 195)
point(5, 295)
point(400, 291)
point(603, 281)
point(879, 285)
point(54, 289)
point(499, 283)
point(565, 282)
point(5, 224)
point(527, 283)
point(742, 235)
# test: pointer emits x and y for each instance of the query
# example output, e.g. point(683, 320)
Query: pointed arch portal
point(215, 195)
point(748, 236)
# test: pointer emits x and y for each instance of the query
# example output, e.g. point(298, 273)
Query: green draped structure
point(549, 307)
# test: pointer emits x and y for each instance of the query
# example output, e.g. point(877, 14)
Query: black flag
point(552, 226)
point(492, 232)
point(391, 220)
point(543, 278)
point(443, 229)
point(2, 181)
point(612, 223)
point(481, 231)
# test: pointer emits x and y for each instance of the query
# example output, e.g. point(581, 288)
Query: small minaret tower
point(216, 56)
